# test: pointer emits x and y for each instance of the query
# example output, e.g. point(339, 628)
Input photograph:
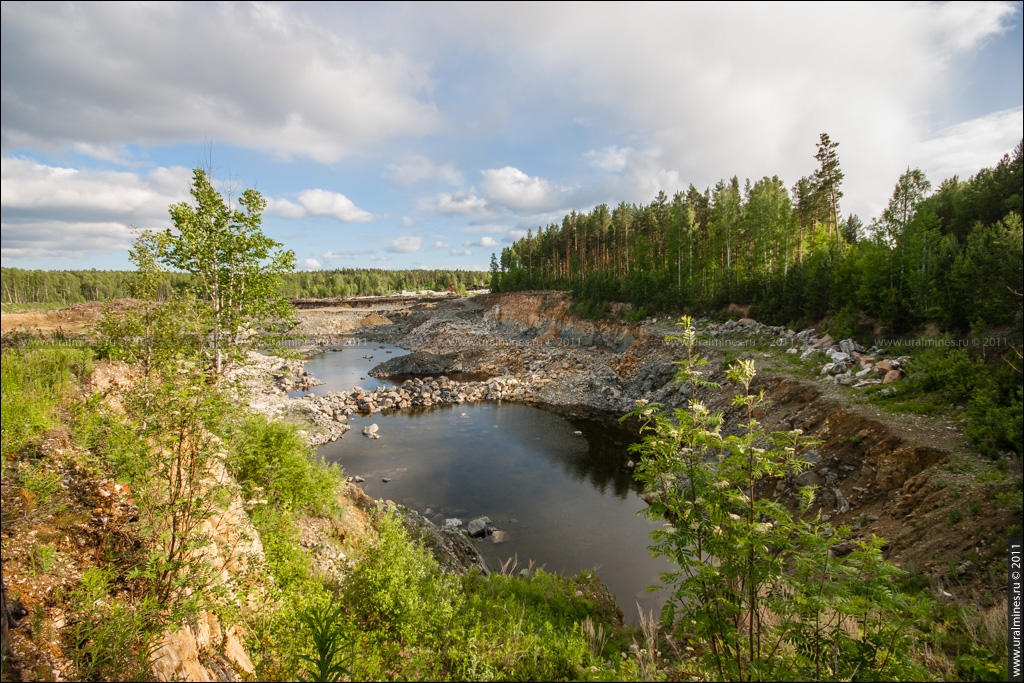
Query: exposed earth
point(913, 480)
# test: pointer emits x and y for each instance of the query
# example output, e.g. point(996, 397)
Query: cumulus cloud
point(464, 203)
point(486, 241)
point(332, 204)
point(311, 264)
point(32, 186)
point(515, 190)
point(723, 89)
point(460, 252)
point(319, 202)
point(62, 240)
point(413, 169)
point(67, 213)
point(405, 244)
point(256, 75)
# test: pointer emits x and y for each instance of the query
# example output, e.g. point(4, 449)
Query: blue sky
point(406, 135)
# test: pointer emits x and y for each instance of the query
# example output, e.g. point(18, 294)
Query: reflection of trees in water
point(603, 463)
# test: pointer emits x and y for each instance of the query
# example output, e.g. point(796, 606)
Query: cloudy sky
point(430, 135)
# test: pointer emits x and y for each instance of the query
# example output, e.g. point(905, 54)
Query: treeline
point(19, 286)
point(951, 257)
point(377, 282)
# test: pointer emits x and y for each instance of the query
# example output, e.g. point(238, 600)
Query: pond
point(553, 483)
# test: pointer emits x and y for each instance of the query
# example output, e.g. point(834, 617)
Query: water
point(347, 367)
point(555, 485)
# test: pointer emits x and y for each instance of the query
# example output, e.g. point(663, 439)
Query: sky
point(431, 135)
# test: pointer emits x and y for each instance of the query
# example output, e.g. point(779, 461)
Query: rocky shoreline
point(528, 348)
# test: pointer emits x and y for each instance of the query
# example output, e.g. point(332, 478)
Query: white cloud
point(413, 169)
point(460, 252)
point(515, 190)
point(317, 202)
point(610, 158)
point(56, 212)
point(333, 204)
point(342, 255)
point(285, 209)
point(258, 76)
point(30, 186)
point(967, 147)
point(62, 240)
point(405, 244)
point(486, 241)
point(441, 245)
point(723, 89)
point(311, 264)
point(462, 203)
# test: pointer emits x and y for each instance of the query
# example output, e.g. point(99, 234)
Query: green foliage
point(273, 462)
point(177, 418)
point(238, 267)
point(757, 587)
point(110, 638)
point(399, 590)
point(951, 371)
point(34, 382)
point(331, 646)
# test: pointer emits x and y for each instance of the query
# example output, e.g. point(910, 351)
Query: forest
point(21, 286)
point(952, 257)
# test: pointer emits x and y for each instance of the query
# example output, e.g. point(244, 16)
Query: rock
point(452, 523)
point(385, 479)
point(812, 456)
point(892, 376)
point(478, 527)
point(809, 478)
point(371, 431)
point(824, 343)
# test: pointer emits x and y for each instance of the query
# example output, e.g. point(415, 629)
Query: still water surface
point(554, 484)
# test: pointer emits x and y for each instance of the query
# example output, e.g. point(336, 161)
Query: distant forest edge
point(952, 257)
point(19, 286)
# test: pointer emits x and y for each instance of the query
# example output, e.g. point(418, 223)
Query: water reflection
point(348, 366)
point(555, 485)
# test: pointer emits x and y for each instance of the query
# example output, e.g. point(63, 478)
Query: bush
point(33, 383)
point(110, 639)
point(950, 371)
point(272, 461)
point(399, 590)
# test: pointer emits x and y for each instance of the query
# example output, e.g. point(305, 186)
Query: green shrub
point(110, 639)
point(272, 461)
point(32, 383)
point(740, 557)
point(399, 590)
point(992, 425)
point(948, 370)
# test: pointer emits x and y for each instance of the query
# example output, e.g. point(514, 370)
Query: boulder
point(371, 431)
point(480, 527)
point(892, 376)
point(825, 342)
point(809, 478)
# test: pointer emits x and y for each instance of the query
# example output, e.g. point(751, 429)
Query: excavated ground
point(910, 479)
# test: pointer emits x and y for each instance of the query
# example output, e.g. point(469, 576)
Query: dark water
point(555, 485)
